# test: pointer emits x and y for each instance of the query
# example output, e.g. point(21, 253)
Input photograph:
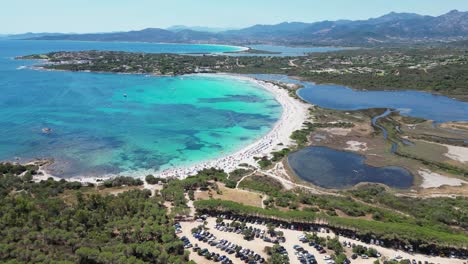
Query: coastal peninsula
point(435, 70)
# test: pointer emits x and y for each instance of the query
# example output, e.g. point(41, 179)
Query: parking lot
point(257, 245)
point(293, 241)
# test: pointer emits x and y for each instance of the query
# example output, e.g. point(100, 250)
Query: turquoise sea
point(162, 122)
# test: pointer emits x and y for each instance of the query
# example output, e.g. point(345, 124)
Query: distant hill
point(460, 43)
point(30, 35)
point(146, 35)
point(391, 28)
point(178, 28)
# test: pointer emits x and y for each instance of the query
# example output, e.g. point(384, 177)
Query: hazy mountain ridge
point(178, 28)
point(390, 28)
point(29, 35)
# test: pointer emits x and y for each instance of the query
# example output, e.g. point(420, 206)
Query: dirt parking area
point(292, 238)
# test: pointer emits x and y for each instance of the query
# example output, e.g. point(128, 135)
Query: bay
point(124, 124)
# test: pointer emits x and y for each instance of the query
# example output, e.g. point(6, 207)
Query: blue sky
point(17, 16)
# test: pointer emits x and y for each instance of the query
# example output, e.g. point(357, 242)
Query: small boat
point(125, 95)
point(47, 130)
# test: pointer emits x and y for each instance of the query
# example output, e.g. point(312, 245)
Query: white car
point(326, 257)
point(330, 262)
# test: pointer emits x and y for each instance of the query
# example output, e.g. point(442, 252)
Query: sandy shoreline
point(435, 180)
point(459, 154)
point(294, 114)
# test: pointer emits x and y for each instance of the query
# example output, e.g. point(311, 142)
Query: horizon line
point(214, 27)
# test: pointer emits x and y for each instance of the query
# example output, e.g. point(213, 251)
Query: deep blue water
point(410, 103)
point(335, 169)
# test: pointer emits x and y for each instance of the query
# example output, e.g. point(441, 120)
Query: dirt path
point(152, 187)
point(380, 206)
point(191, 207)
point(287, 184)
point(248, 175)
point(292, 64)
point(263, 200)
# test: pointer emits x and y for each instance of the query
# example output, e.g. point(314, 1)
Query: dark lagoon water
point(335, 169)
point(163, 122)
point(329, 168)
point(410, 103)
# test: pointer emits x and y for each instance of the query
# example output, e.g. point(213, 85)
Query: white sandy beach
point(457, 153)
point(294, 114)
point(434, 180)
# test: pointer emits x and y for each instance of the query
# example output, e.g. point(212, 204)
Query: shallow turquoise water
point(161, 123)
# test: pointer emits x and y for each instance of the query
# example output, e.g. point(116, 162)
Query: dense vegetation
point(277, 196)
point(38, 225)
point(444, 210)
point(263, 184)
point(237, 174)
point(122, 181)
point(439, 70)
point(175, 189)
point(150, 179)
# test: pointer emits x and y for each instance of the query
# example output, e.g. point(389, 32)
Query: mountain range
point(30, 35)
point(390, 28)
point(178, 28)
